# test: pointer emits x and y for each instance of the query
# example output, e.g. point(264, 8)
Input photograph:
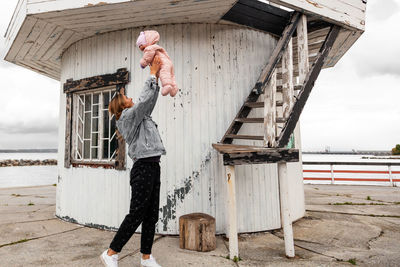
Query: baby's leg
point(166, 80)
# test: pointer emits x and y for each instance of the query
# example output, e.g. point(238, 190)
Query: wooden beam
point(278, 51)
point(270, 112)
point(249, 137)
point(349, 14)
point(119, 77)
point(302, 49)
point(68, 130)
point(287, 81)
point(307, 86)
point(250, 120)
point(261, 157)
point(286, 219)
point(232, 221)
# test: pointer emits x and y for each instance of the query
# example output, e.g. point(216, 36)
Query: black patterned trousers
point(145, 186)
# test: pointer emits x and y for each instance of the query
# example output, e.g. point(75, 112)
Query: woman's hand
point(155, 66)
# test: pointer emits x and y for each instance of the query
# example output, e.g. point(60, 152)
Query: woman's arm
point(147, 98)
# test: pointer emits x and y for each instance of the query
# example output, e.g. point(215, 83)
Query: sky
point(354, 105)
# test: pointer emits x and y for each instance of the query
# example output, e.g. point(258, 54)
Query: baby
point(147, 42)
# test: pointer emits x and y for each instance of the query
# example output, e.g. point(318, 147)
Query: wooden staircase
point(282, 91)
point(284, 84)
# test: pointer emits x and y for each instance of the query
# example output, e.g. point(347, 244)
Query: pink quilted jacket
point(148, 39)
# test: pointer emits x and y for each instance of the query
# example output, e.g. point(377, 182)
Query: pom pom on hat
point(141, 40)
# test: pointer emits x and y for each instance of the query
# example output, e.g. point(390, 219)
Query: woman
point(145, 149)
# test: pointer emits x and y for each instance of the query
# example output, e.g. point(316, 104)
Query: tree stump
point(197, 232)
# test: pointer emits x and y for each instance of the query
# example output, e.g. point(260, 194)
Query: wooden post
point(332, 175)
point(286, 220)
point(270, 112)
point(68, 128)
point(287, 81)
point(302, 48)
point(232, 222)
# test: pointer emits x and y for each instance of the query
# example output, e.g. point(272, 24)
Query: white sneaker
point(149, 262)
point(109, 261)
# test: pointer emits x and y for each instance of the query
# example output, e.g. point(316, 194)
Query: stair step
point(280, 120)
point(250, 120)
point(257, 120)
point(279, 103)
point(249, 137)
point(279, 88)
point(254, 104)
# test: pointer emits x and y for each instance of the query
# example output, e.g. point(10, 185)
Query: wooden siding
point(207, 59)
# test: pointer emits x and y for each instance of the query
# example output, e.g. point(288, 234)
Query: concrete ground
point(344, 225)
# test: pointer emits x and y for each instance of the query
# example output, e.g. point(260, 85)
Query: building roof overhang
point(40, 31)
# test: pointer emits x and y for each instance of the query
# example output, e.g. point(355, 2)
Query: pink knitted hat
point(141, 40)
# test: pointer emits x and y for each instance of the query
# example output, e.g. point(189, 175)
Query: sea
point(17, 176)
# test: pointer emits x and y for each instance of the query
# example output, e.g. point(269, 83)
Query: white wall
point(215, 66)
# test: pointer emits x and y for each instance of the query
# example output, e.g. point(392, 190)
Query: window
point(94, 135)
point(90, 133)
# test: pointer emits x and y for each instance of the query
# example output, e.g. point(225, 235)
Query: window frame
point(73, 88)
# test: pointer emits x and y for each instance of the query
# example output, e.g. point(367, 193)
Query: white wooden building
point(222, 51)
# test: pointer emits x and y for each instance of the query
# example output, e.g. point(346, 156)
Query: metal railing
point(386, 176)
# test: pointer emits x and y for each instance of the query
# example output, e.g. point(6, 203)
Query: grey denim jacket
point(137, 127)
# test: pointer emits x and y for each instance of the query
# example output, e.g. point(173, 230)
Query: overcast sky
point(355, 105)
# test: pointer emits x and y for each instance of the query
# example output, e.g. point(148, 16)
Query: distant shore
point(26, 162)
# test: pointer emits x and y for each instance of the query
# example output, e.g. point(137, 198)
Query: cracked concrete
point(329, 235)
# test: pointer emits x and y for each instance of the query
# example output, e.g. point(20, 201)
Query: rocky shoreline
point(26, 162)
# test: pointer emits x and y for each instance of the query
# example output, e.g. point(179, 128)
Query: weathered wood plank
point(250, 120)
point(119, 77)
point(270, 112)
point(349, 14)
point(249, 137)
point(302, 49)
point(68, 129)
point(287, 81)
point(274, 156)
point(286, 219)
point(232, 221)
point(254, 104)
point(307, 87)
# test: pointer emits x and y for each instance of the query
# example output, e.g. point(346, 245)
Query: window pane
point(105, 124)
point(88, 102)
point(94, 153)
point(87, 149)
point(87, 125)
point(79, 150)
point(113, 146)
point(95, 137)
point(96, 98)
point(80, 129)
point(105, 149)
point(95, 127)
point(95, 110)
point(106, 99)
